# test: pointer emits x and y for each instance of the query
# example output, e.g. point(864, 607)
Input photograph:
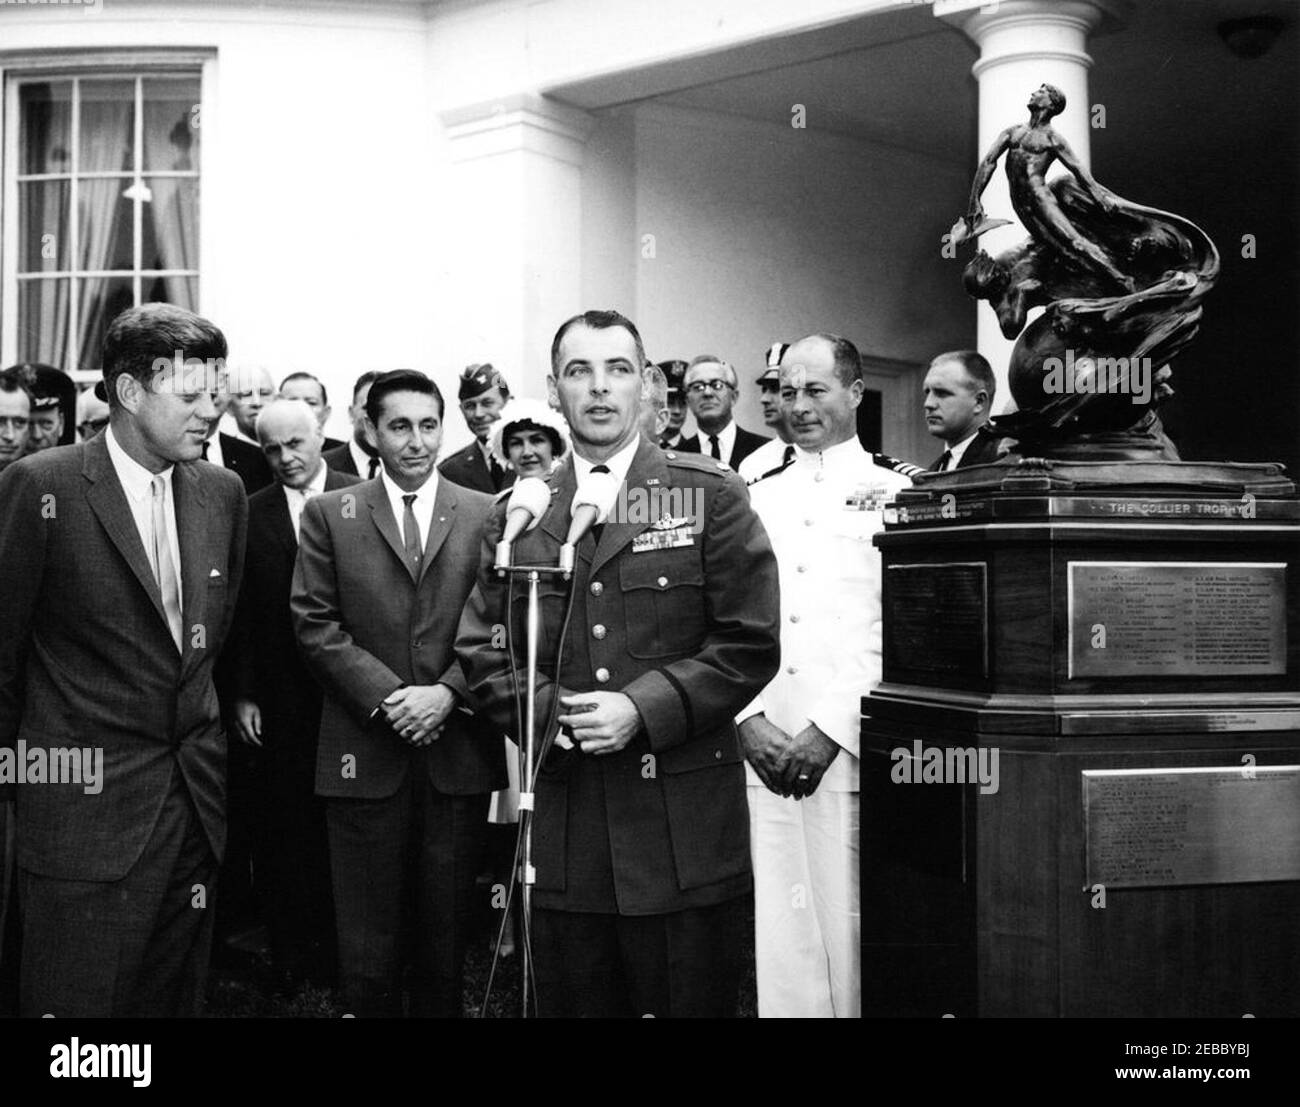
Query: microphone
point(528, 502)
point(592, 503)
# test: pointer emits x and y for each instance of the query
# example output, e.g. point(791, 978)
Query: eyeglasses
point(696, 387)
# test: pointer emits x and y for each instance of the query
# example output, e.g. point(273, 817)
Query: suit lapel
point(192, 534)
point(107, 500)
point(382, 513)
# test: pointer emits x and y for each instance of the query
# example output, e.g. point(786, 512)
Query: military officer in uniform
point(483, 394)
point(641, 843)
point(801, 735)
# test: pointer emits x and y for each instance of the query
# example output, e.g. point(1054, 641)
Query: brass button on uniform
point(663, 582)
point(602, 676)
point(597, 588)
point(794, 618)
point(598, 631)
point(791, 670)
point(801, 568)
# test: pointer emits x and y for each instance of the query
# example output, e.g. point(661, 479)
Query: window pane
point(45, 143)
point(181, 291)
point(102, 300)
point(43, 321)
point(43, 226)
point(107, 126)
point(169, 229)
point(171, 124)
point(104, 224)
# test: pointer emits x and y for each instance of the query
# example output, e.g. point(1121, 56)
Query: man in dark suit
point(311, 391)
point(483, 394)
point(958, 393)
point(357, 455)
point(277, 702)
point(383, 573)
point(711, 389)
point(641, 843)
point(130, 553)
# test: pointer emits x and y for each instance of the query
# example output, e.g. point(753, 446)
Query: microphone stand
point(526, 874)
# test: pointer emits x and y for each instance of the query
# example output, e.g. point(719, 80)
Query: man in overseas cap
point(778, 451)
point(800, 735)
point(482, 394)
point(54, 405)
point(675, 371)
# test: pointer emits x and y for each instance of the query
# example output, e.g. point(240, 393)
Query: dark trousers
point(686, 964)
point(291, 858)
point(131, 948)
point(404, 869)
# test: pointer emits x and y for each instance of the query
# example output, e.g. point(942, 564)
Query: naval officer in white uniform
point(801, 734)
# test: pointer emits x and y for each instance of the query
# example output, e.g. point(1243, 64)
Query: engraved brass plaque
point(1157, 618)
point(936, 618)
point(1148, 828)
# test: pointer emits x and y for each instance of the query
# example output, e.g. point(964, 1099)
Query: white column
point(514, 232)
point(1023, 44)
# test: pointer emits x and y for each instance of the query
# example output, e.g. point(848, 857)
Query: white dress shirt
point(726, 442)
point(215, 454)
point(423, 505)
point(297, 498)
point(361, 460)
point(821, 515)
point(959, 449)
point(137, 483)
point(618, 465)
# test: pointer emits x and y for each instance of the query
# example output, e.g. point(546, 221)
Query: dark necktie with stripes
point(714, 449)
point(945, 462)
point(374, 467)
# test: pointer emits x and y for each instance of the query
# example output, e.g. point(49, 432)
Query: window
point(104, 178)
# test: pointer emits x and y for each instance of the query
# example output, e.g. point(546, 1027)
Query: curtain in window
point(169, 144)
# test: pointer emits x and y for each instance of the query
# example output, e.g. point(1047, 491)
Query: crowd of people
point(303, 672)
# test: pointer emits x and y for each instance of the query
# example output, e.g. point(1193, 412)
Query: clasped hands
point(788, 765)
point(417, 712)
point(600, 722)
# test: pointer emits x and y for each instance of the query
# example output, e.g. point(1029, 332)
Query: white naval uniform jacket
point(821, 514)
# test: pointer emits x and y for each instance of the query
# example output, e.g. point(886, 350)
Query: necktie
point(787, 456)
point(205, 449)
point(599, 528)
point(713, 447)
point(498, 473)
point(411, 535)
point(945, 460)
point(374, 468)
point(164, 568)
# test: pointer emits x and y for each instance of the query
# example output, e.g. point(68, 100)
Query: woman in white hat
point(530, 438)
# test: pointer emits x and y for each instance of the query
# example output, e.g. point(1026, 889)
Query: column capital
point(523, 122)
point(1016, 30)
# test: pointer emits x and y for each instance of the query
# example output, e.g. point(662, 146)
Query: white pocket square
point(215, 573)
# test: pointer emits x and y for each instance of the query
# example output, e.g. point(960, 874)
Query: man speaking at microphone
point(641, 829)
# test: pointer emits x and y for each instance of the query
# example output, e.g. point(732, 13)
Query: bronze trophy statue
point(1122, 284)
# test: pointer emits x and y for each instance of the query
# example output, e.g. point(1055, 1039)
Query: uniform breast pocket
point(851, 535)
point(663, 602)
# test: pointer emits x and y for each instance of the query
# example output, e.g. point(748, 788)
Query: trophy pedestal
point(1081, 770)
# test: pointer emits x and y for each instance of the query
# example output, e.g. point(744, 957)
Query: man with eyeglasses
point(711, 392)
